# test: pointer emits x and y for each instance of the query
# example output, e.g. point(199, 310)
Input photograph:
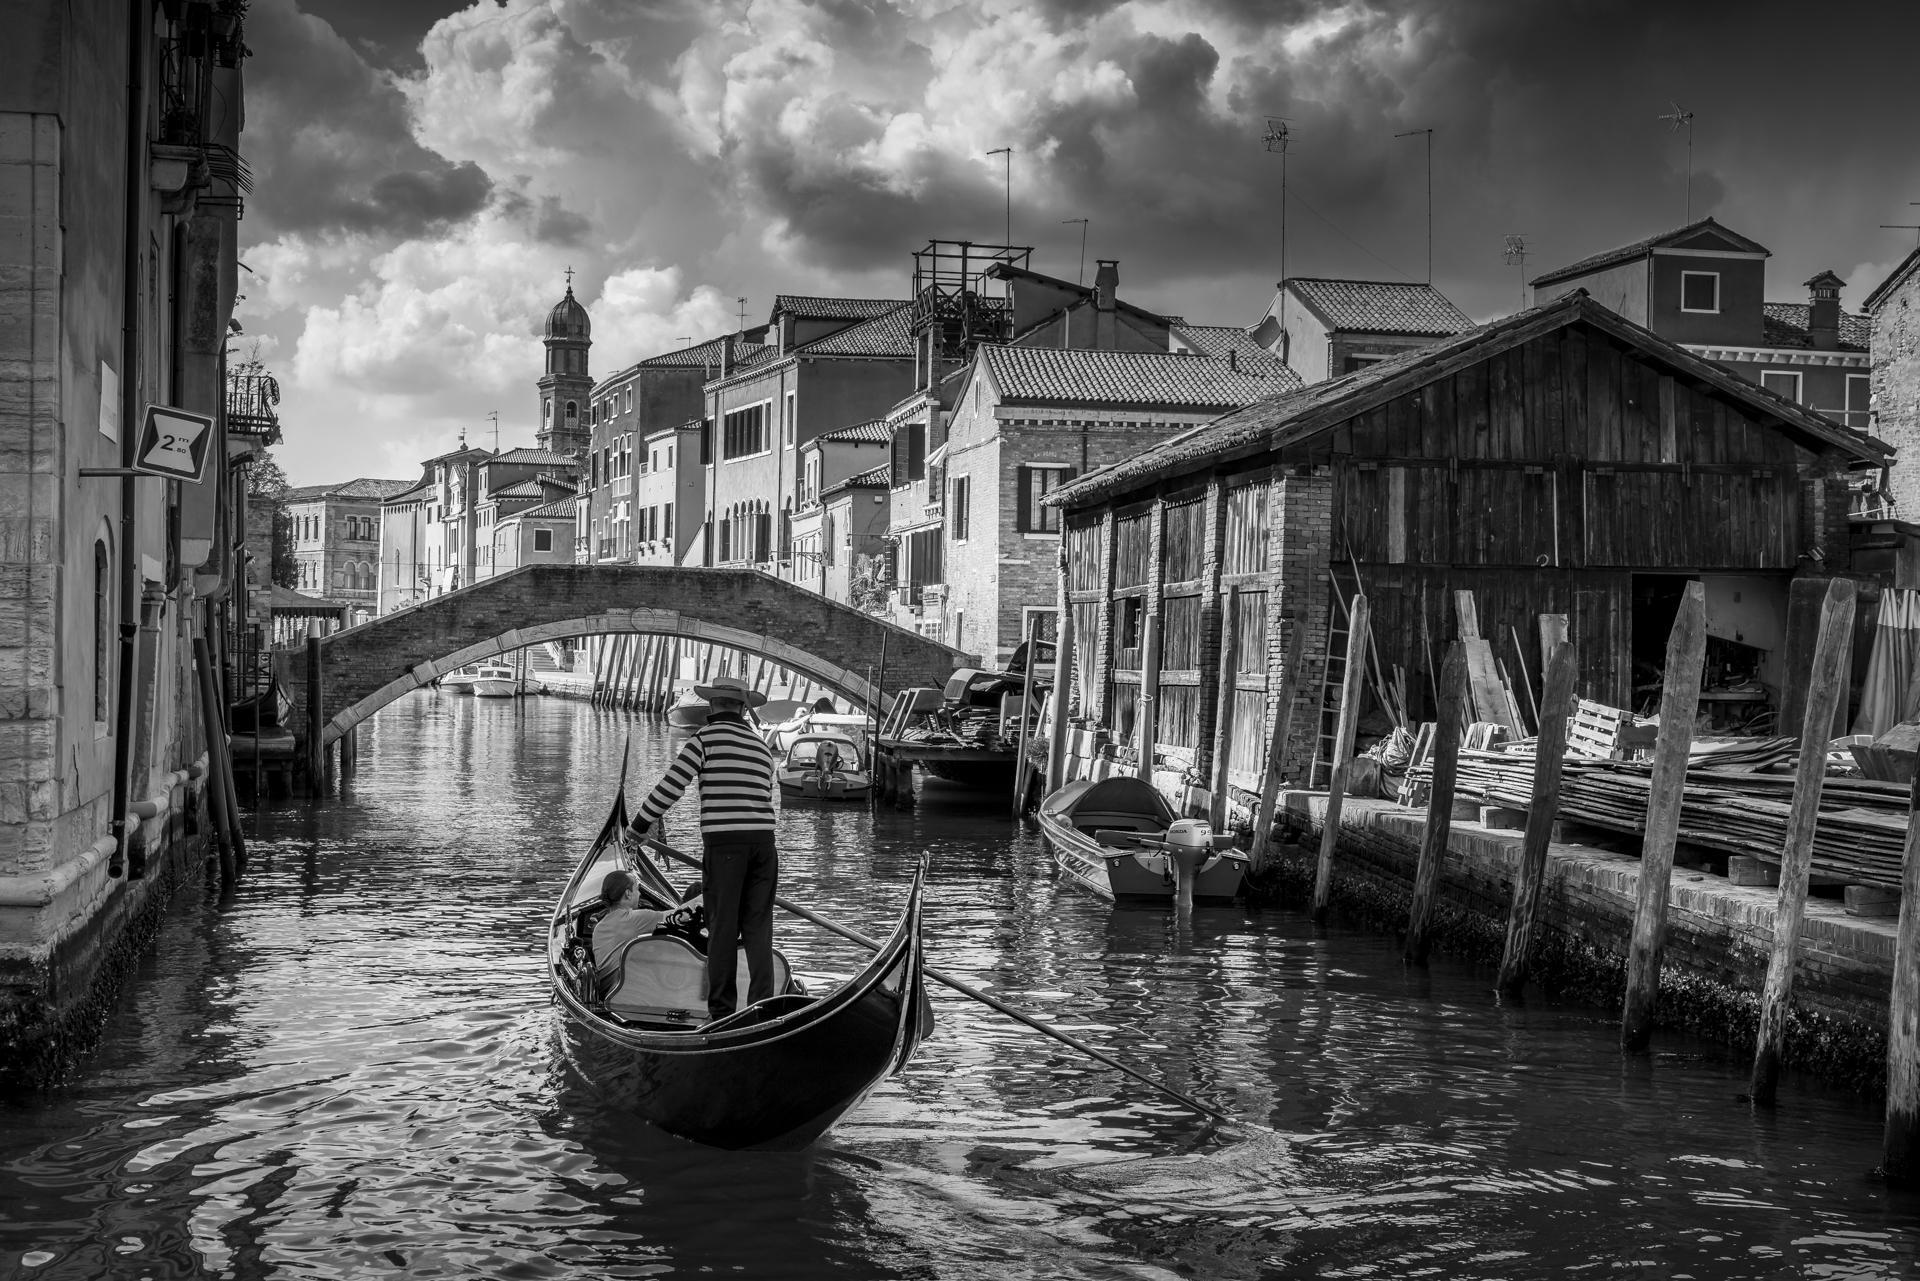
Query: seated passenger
point(623, 920)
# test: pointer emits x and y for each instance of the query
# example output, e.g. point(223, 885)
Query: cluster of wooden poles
point(1679, 700)
point(223, 806)
point(640, 672)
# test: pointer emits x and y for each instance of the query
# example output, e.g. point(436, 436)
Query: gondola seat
point(660, 978)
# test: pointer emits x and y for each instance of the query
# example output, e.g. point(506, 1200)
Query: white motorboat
point(494, 681)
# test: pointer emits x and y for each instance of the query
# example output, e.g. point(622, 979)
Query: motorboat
point(824, 767)
point(461, 680)
point(1112, 836)
point(774, 1074)
point(689, 711)
point(495, 681)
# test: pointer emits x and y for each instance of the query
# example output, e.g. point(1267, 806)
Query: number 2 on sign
point(175, 448)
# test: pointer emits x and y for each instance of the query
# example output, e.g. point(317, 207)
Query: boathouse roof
point(1281, 421)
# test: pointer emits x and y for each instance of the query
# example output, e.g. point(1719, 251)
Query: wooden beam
point(1549, 754)
point(1444, 756)
point(1679, 700)
point(1062, 702)
point(1900, 1144)
point(1224, 697)
point(1826, 687)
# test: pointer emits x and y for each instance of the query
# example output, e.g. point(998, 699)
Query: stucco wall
point(1896, 389)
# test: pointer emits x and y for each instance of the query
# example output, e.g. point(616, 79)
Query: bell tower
point(566, 427)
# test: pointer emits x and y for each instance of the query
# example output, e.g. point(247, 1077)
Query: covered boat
point(495, 681)
point(775, 1074)
point(460, 681)
point(689, 711)
point(1110, 834)
point(824, 767)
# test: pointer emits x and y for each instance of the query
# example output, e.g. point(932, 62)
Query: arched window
point(573, 413)
point(546, 409)
point(102, 630)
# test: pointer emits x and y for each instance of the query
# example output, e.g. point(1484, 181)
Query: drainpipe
point(135, 177)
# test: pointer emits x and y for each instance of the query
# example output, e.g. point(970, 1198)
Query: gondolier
point(736, 773)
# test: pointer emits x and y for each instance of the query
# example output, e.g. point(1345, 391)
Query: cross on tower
point(569, 279)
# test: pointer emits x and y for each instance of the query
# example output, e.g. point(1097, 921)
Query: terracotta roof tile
point(364, 489)
point(1219, 340)
point(559, 509)
point(875, 432)
point(1381, 307)
point(1785, 325)
point(880, 477)
point(835, 308)
point(706, 354)
point(888, 334)
point(1174, 380)
point(537, 457)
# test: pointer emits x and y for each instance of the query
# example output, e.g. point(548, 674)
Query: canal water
point(346, 1068)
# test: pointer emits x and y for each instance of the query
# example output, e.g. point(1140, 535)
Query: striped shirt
point(735, 769)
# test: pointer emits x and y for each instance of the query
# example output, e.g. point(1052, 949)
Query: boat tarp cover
point(1122, 793)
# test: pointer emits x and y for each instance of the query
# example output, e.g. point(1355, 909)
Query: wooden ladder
point(1333, 676)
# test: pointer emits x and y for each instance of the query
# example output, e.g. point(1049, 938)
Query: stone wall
point(1896, 388)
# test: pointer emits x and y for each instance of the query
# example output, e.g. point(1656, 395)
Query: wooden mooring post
point(1148, 724)
point(1057, 729)
point(316, 724)
point(1450, 717)
point(1824, 690)
point(1292, 679)
point(1549, 755)
point(1679, 700)
point(1900, 1144)
point(1223, 709)
point(1351, 679)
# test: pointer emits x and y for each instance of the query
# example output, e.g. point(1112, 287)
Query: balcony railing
point(250, 402)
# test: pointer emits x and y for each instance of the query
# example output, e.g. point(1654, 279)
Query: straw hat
point(730, 687)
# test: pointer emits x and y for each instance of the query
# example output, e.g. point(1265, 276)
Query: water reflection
point(348, 1068)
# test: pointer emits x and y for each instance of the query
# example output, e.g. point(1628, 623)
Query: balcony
point(250, 401)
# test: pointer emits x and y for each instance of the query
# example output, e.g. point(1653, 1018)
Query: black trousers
point(742, 873)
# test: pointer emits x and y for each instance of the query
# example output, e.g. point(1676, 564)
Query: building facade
point(541, 535)
point(1323, 328)
point(118, 204)
point(1705, 287)
point(1894, 311)
point(336, 539)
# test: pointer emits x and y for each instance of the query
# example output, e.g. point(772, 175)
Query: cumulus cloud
point(415, 214)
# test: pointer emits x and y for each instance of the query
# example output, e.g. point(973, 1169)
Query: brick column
point(1300, 516)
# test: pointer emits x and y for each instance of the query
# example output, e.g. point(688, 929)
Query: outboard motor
point(1189, 843)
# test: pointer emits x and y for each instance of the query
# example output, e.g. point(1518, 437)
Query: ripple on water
point(346, 1069)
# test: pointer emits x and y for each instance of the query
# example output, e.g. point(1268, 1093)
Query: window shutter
point(1023, 500)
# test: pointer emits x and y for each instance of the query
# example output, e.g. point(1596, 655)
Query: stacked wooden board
point(1858, 839)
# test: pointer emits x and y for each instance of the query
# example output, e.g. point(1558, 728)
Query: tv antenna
point(1008, 153)
point(1905, 226)
point(1676, 119)
point(743, 314)
point(1414, 133)
point(1079, 276)
point(1276, 138)
point(1515, 254)
point(495, 415)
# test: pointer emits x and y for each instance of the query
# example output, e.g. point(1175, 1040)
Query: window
point(102, 631)
point(546, 409)
point(787, 437)
point(573, 413)
point(826, 551)
point(744, 432)
point(1700, 291)
point(957, 506)
point(669, 455)
point(1784, 382)
point(629, 399)
point(1859, 402)
point(543, 540)
point(1035, 483)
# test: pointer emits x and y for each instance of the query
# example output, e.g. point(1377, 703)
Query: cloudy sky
point(426, 172)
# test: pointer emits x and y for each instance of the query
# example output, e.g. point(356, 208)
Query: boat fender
point(1190, 840)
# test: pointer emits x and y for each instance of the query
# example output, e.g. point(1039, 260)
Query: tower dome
point(568, 319)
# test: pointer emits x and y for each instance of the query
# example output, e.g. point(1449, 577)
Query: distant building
point(540, 535)
point(841, 506)
point(567, 384)
point(461, 496)
point(405, 573)
point(336, 539)
point(507, 499)
point(1322, 328)
point(1704, 286)
point(827, 363)
point(643, 482)
point(1894, 311)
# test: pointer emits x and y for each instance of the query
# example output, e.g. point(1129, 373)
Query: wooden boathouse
point(1563, 462)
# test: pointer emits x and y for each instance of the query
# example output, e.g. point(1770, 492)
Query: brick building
point(1894, 311)
point(1322, 328)
point(643, 478)
point(1563, 461)
point(336, 539)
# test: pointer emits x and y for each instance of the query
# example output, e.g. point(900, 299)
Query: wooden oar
point(991, 1002)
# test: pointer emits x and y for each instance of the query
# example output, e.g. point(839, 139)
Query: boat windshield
point(808, 752)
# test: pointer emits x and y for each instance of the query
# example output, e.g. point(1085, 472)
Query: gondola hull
point(774, 1076)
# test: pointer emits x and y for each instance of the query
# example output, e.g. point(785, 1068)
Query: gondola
point(1110, 835)
point(775, 1074)
point(266, 710)
point(689, 711)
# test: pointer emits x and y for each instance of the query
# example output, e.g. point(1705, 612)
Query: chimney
point(1106, 282)
point(1823, 310)
point(786, 332)
point(726, 355)
point(1233, 360)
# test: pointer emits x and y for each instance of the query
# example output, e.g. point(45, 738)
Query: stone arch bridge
point(364, 668)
